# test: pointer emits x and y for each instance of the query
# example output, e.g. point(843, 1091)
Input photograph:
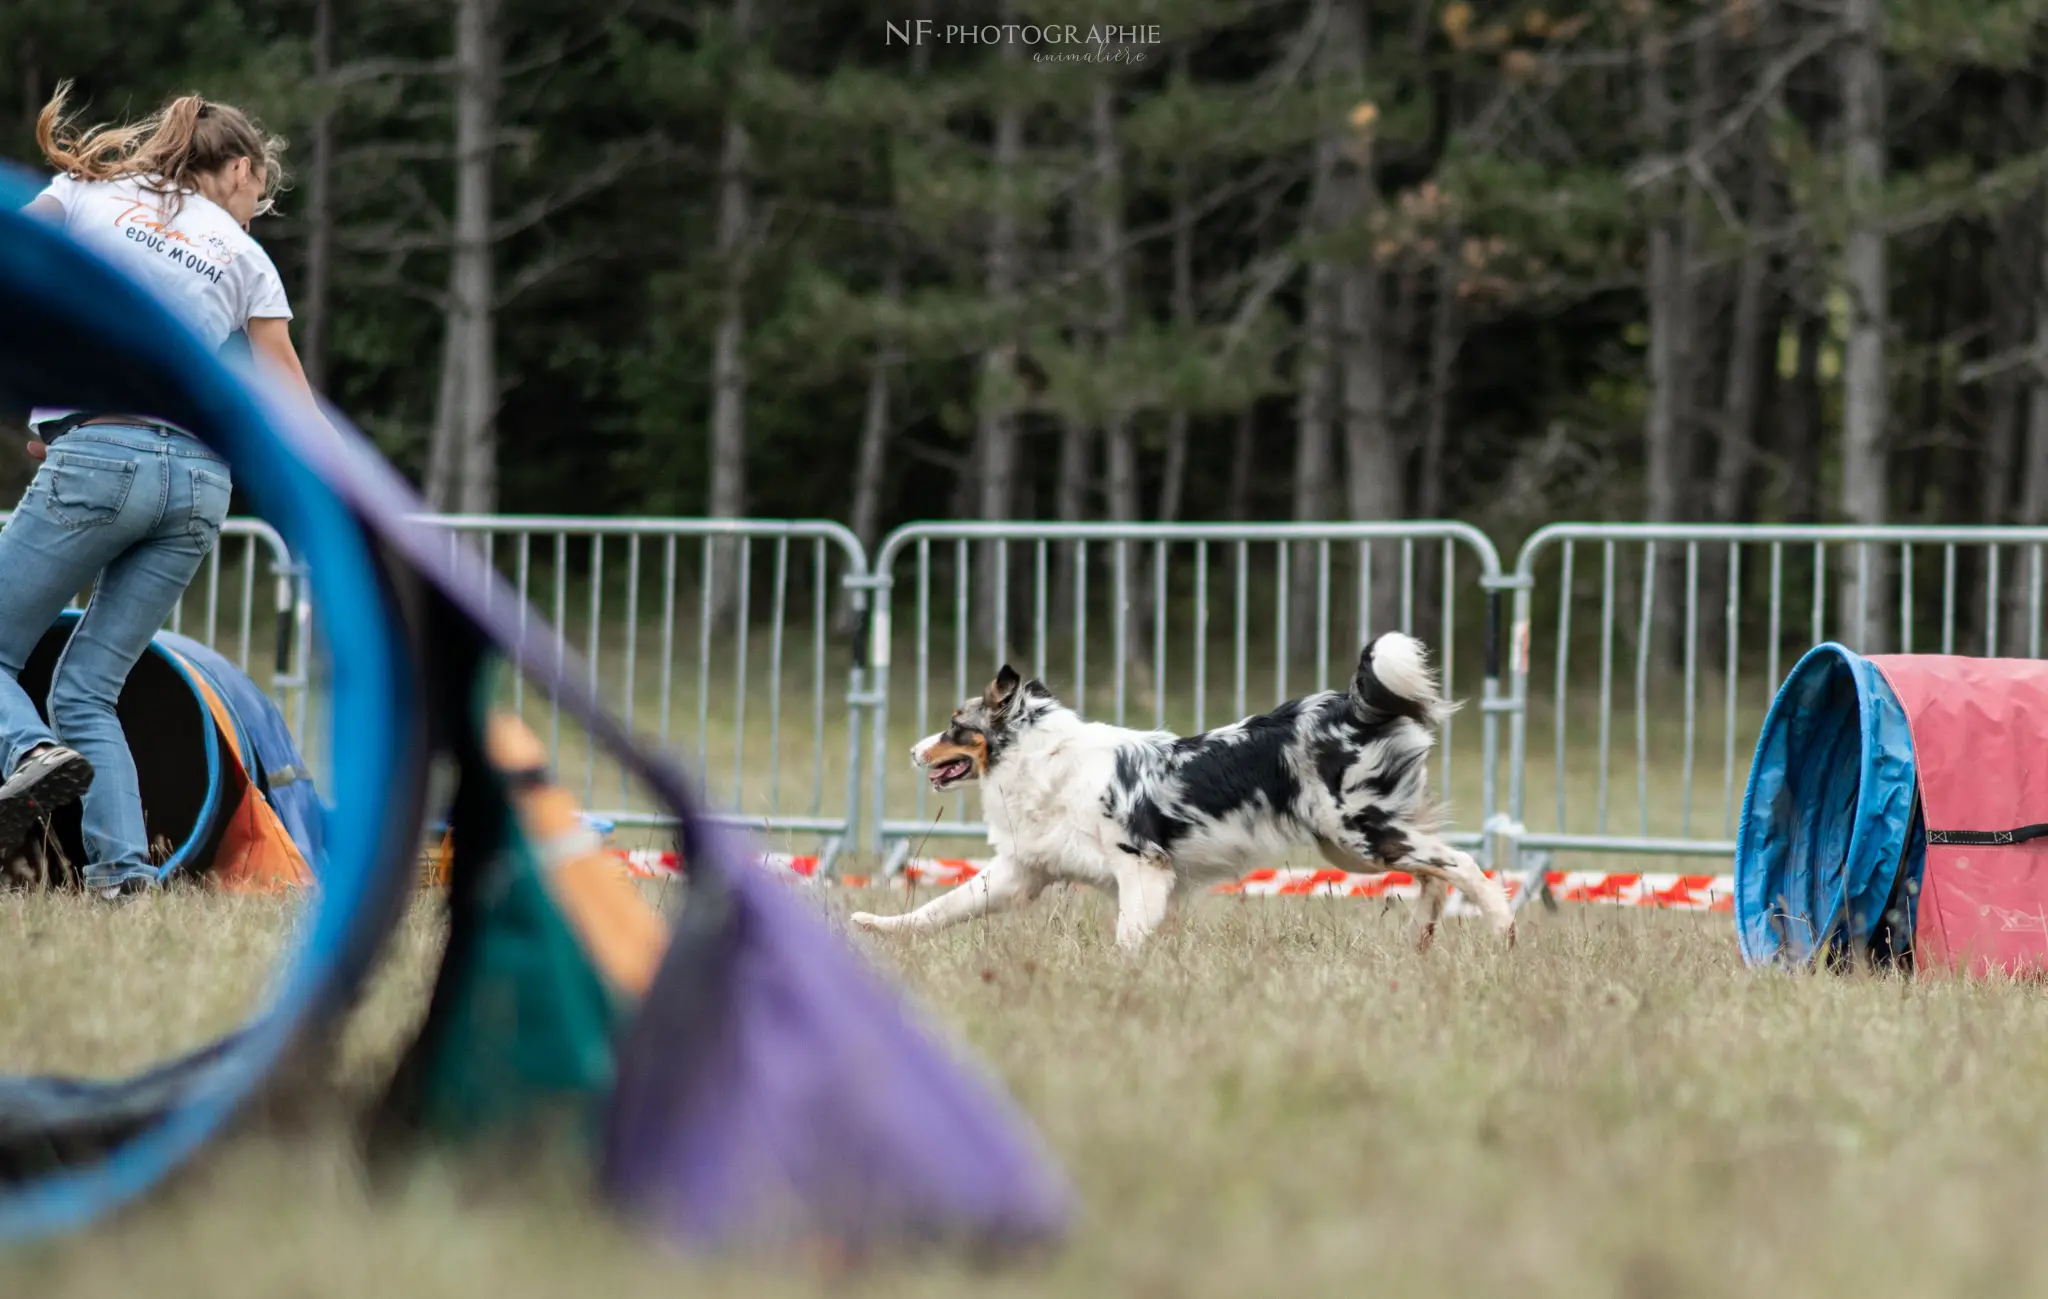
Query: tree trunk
point(1317, 384)
point(2012, 255)
point(1119, 430)
point(1118, 433)
point(728, 358)
point(875, 426)
point(313, 299)
point(1663, 465)
point(1445, 342)
point(728, 442)
point(1864, 444)
point(996, 426)
point(1804, 427)
point(2034, 490)
point(1375, 477)
point(1173, 473)
point(1744, 381)
point(463, 473)
point(1239, 507)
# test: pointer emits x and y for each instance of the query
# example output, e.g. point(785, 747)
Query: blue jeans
point(139, 510)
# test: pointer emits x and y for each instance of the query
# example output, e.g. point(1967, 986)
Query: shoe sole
point(57, 788)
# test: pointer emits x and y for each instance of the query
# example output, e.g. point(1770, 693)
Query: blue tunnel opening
point(1827, 839)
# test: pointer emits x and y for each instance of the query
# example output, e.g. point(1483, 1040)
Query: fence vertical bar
point(1120, 635)
point(1991, 588)
point(706, 612)
point(1201, 636)
point(777, 625)
point(1001, 597)
point(1081, 626)
point(1732, 615)
point(1283, 579)
point(561, 641)
point(1692, 618)
point(1607, 594)
point(1243, 617)
point(924, 648)
point(1905, 598)
point(632, 650)
point(596, 644)
point(742, 623)
point(1776, 628)
point(1042, 667)
point(1559, 714)
point(668, 632)
point(1323, 681)
point(1643, 637)
point(1159, 635)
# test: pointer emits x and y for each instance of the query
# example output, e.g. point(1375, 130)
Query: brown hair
point(168, 151)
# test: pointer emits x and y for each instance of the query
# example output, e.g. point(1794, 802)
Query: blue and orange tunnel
point(225, 791)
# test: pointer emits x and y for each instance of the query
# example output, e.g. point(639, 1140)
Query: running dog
point(1150, 814)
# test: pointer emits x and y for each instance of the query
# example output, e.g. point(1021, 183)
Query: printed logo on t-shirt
point(144, 224)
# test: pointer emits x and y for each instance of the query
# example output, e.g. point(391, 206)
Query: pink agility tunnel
point(1980, 748)
point(1897, 808)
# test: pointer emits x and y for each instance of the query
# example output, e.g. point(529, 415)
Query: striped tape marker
point(1660, 891)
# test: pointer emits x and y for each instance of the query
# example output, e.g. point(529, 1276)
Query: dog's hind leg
point(1430, 855)
point(1429, 903)
point(1429, 908)
point(1144, 887)
point(998, 888)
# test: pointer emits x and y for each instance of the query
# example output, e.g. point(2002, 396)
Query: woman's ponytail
point(168, 151)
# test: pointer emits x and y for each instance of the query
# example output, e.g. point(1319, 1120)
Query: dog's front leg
point(1144, 887)
point(1001, 886)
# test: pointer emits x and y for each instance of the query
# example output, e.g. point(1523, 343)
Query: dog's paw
point(866, 920)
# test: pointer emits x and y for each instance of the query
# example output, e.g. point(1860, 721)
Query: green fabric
point(524, 1020)
point(530, 1023)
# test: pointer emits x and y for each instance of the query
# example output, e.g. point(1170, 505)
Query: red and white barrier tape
point(1665, 892)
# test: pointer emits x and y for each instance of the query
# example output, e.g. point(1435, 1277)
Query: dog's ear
point(1003, 690)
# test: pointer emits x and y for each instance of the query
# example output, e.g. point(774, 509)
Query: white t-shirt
point(202, 265)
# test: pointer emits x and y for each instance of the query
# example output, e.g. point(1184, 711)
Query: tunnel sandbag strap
point(1986, 838)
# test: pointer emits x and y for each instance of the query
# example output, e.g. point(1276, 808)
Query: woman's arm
point(270, 337)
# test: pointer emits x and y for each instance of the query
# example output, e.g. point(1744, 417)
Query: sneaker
point(52, 777)
point(133, 887)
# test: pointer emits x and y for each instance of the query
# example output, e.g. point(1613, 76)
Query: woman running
point(123, 502)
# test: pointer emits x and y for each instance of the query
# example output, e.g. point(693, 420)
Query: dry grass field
point(1278, 1099)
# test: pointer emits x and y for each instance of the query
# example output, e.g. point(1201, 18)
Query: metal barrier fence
point(1132, 622)
point(1708, 618)
point(222, 610)
point(666, 617)
point(1636, 669)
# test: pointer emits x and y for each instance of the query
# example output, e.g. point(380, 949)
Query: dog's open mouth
point(950, 772)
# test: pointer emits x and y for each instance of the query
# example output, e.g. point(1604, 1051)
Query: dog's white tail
point(1394, 676)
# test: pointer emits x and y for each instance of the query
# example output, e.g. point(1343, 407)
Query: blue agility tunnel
point(1828, 818)
point(207, 742)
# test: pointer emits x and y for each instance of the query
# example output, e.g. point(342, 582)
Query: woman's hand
point(36, 449)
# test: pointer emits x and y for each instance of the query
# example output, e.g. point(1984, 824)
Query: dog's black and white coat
point(1149, 813)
